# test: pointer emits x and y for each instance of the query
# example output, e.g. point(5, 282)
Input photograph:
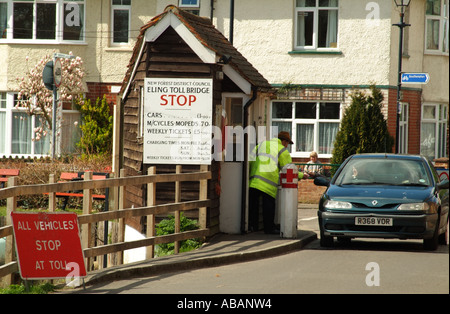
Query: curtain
point(282, 126)
point(433, 34)
point(428, 140)
point(2, 132)
point(332, 29)
point(42, 147)
point(70, 132)
point(21, 133)
point(327, 135)
point(305, 137)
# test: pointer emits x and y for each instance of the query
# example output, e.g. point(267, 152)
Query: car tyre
point(433, 243)
point(443, 237)
point(326, 241)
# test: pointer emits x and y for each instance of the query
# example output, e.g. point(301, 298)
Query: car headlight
point(337, 205)
point(414, 206)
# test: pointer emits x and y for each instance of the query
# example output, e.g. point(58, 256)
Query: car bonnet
point(378, 196)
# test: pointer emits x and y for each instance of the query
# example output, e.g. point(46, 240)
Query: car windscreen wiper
point(366, 183)
point(411, 184)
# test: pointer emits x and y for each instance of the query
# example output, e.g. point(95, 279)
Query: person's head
point(285, 138)
point(313, 156)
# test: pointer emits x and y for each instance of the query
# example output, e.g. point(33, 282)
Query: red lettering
point(192, 99)
point(180, 100)
point(171, 99)
point(163, 97)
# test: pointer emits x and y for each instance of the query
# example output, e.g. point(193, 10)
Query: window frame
point(440, 122)
point(10, 110)
point(192, 6)
point(60, 16)
point(315, 35)
point(404, 128)
point(315, 122)
point(121, 7)
point(443, 19)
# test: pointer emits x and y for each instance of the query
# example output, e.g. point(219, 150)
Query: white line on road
point(307, 219)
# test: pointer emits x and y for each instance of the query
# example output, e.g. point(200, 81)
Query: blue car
point(384, 196)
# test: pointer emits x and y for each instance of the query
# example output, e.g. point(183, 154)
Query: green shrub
point(96, 128)
point(167, 226)
point(33, 289)
point(363, 128)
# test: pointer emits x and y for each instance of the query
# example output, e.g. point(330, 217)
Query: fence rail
point(117, 212)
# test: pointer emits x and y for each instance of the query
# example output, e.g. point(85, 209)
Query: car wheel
point(344, 240)
point(433, 243)
point(443, 237)
point(326, 241)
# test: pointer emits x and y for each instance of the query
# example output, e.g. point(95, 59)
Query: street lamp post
point(402, 4)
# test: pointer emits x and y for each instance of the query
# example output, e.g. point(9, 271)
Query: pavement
point(221, 249)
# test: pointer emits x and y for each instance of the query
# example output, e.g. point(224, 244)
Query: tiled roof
point(210, 37)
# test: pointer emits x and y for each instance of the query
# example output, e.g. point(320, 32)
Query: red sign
point(48, 245)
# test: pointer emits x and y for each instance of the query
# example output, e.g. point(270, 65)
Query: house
point(322, 51)
point(101, 32)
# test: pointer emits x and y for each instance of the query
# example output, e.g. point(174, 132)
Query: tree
point(38, 100)
point(363, 128)
point(96, 127)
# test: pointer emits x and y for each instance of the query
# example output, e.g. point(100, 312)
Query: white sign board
point(178, 121)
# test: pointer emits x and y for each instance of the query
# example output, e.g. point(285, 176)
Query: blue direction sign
point(415, 78)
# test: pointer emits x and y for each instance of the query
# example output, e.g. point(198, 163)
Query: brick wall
point(97, 90)
point(414, 98)
point(308, 192)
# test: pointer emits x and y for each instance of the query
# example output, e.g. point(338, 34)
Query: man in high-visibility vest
point(266, 161)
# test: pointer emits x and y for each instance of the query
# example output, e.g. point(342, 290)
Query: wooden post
point(86, 234)
point(203, 195)
point(151, 201)
point(122, 202)
point(177, 212)
point(51, 195)
point(10, 256)
point(113, 205)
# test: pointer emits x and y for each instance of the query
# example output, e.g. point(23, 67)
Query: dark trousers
point(268, 204)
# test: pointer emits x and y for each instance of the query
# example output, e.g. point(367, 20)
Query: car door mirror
point(322, 181)
point(442, 185)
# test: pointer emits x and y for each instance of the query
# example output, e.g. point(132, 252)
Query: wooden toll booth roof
point(206, 34)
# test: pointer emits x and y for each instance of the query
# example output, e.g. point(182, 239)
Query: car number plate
point(374, 221)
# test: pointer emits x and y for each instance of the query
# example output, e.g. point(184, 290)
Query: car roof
point(389, 156)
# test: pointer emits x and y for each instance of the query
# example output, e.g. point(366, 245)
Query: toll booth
point(184, 66)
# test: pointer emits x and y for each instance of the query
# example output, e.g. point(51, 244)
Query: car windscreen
point(377, 171)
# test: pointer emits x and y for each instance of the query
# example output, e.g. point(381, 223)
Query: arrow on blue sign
point(415, 78)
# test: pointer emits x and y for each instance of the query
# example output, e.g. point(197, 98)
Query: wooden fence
point(117, 212)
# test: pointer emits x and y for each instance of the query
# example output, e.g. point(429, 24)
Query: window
point(316, 24)
point(313, 125)
point(436, 33)
point(56, 20)
point(190, 3)
point(403, 130)
point(17, 129)
point(121, 21)
point(2, 122)
point(192, 6)
point(3, 19)
point(433, 135)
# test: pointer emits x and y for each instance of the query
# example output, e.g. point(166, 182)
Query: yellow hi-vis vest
point(266, 160)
